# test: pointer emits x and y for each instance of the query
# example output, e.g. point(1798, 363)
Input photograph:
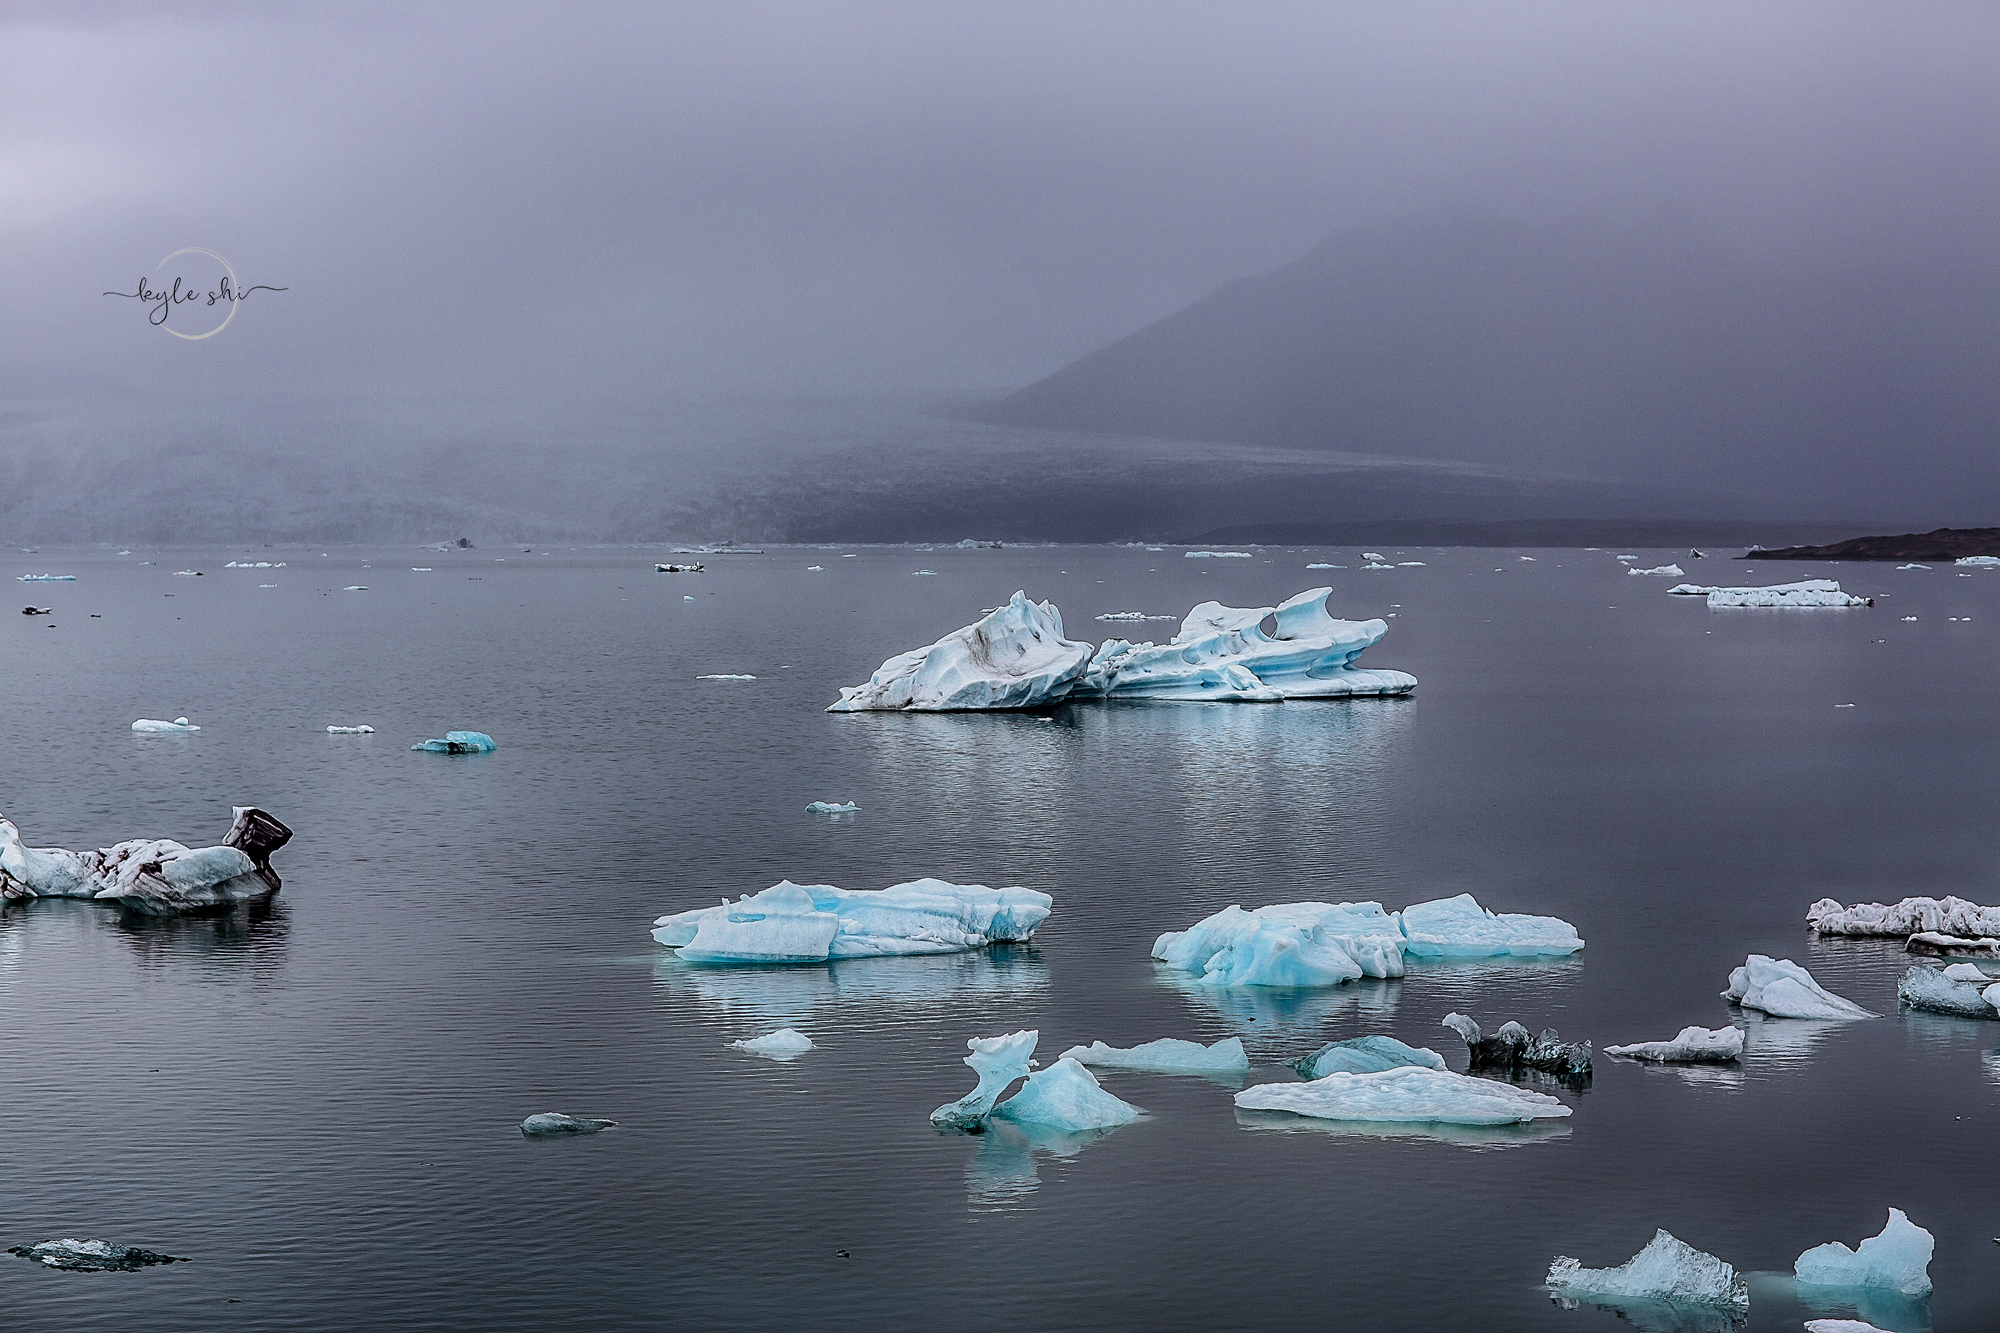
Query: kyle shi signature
point(227, 292)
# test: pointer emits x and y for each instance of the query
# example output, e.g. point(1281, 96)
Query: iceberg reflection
point(1463, 1136)
point(1663, 1317)
point(1004, 1169)
point(786, 996)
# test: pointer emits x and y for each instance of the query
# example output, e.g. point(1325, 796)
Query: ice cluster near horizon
point(1968, 992)
point(1912, 566)
point(1131, 615)
point(154, 724)
point(459, 742)
point(1978, 561)
point(1670, 571)
point(1692, 1045)
point(1668, 1269)
point(780, 1045)
point(1940, 916)
point(832, 808)
point(791, 923)
point(722, 675)
point(1783, 989)
point(1168, 1055)
point(1805, 593)
point(1325, 944)
point(1405, 1094)
point(1365, 1055)
point(157, 876)
point(1897, 1259)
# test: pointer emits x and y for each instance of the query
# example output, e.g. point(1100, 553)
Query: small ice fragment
point(1693, 1045)
point(998, 1061)
point(1377, 564)
point(687, 599)
point(1407, 1094)
point(1913, 566)
point(154, 724)
point(1898, 1259)
point(1966, 972)
point(92, 1256)
point(1066, 1097)
point(1909, 617)
point(420, 569)
point(550, 1124)
point(355, 587)
point(459, 742)
point(1168, 1055)
point(1364, 1055)
point(724, 676)
point(1625, 557)
point(832, 808)
point(927, 573)
point(1404, 564)
point(1783, 989)
point(1841, 1326)
point(784, 1043)
point(1668, 1270)
point(1373, 555)
point(48, 578)
point(1216, 555)
point(1843, 705)
point(849, 556)
point(1131, 615)
point(1527, 557)
point(677, 569)
point(187, 573)
point(815, 569)
point(363, 730)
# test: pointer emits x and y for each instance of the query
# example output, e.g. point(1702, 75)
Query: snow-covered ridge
point(792, 923)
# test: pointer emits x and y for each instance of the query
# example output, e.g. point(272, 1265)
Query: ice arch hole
point(1269, 625)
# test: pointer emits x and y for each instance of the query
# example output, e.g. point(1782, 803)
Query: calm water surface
point(318, 1102)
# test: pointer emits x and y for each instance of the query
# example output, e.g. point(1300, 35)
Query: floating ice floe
point(926, 573)
point(1016, 657)
point(1324, 944)
point(1325, 566)
point(1216, 555)
point(721, 675)
point(1936, 942)
point(791, 923)
point(1066, 1098)
point(48, 578)
point(1842, 1326)
point(1377, 564)
point(254, 564)
point(154, 724)
point(92, 1256)
point(156, 876)
point(1407, 1093)
point(1951, 916)
point(1131, 615)
point(1625, 557)
point(832, 808)
point(1364, 1055)
point(1376, 556)
point(1898, 1260)
point(677, 569)
point(1783, 989)
point(553, 1124)
point(1978, 562)
point(1668, 1269)
point(1912, 566)
point(1805, 593)
point(1168, 1055)
point(1513, 1049)
point(363, 730)
point(1692, 1045)
point(998, 1061)
point(1670, 571)
point(459, 742)
point(1959, 989)
point(815, 569)
point(355, 587)
point(780, 1045)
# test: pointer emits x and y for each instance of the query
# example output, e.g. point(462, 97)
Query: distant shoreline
point(1938, 544)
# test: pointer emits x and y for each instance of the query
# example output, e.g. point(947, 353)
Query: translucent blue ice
point(459, 742)
point(1898, 1260)
point(1365, 1055)
point(791, 923)
point(1066, 1097)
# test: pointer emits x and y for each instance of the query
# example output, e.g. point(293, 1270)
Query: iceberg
point(1410, 1093)
point(1950, 916)
point(554, 1124)
point(92, 1256)
point(1512, 1049)
point(154, 724)
point(790, 923)
point(1934, 942)
point(1897, 1260)
point(1460, 928)
point(1692, 1045)
point(998, 1061)
point(1968, 993)
point(1668, 1269)
point(1016, 657)
point(1806, 593)
point(832, 808)
point(1376, 556)
point(780, 1045)
point(1978, 562)
point(459, 742)
point(351, 731)
point(1168, 1055)
point(1783, 989)
point(1222, 653)
point(154, 876)
point(1364, 1055)
point(1670, 571)
point(1065, 1098)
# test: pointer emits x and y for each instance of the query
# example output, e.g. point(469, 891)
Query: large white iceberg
point(1783, 989)
point(1016, 657)
point(1668, 1269)
point(1806, 592)
point(157, 876)
point(1066, 1098)
point(1168, 1055)
point(1222, 654)
point(1692, 1045)
point(792, 923)
point(1365, 1055)
point(1969, 992)
point(998, 1061)
point(1897, 1260)
point(1324, 944)
point(1947, 916)
point(1407, 1093)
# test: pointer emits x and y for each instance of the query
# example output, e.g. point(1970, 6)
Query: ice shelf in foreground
point(1806, 592)
point(1410, 1093)
point(555, 1124)
point(1168, 1055)
point(1947, 916)
point(998, 1061)
point(1693, 1045)
point(1783, 989)
point(1898, 1260)
point(1365, 1055)
point(1942, 992)
point(782, 1044)
point(1324, 944)
point(92, 1256)
point(154, 724)
point(1668, 1269)
point(459, 742)
point(1016, 657)
point(1066, 1098)
point(792, 923)
point(156, 876)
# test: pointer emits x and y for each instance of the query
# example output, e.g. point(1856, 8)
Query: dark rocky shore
point(1939, 544)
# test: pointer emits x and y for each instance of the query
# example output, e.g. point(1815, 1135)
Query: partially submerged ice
point(156, 876)
point(998, 1061)
point(93, 1256)
point(556, 1124)
point(1970, 993)
point(1783, 989)
point(459, 742)
point(1898, 1260)
point(1016, 657)
point(155, 724)
point(1692, 1045)
point(1324, 944)
point(1066, 1098)
point(1668, 1269)
point(1364, 1055)
point(1806, 592)
point(793, 923)
point(1936, 942)
point(1513, 1049)
point(1946, 916)
point(783, 1044)
point(1168, 1055)
point(832, 808)
point(1408, 1093)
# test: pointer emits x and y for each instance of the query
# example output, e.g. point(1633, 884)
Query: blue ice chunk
point(1067, 1098)
point(1668, 1269)
point(1898, 1260)
point(459, 742)
point(812, 923)
point(998, 1061)
point(1365, 1055)
point(1168, 1055)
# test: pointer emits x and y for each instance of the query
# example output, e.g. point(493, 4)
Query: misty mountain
point(1645, 353)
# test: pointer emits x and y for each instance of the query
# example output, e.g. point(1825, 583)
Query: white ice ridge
point(1978, 561)
point(1897, 1260)
point(1066, 1097)
point(1958, 989)
point(832, 808)
point(1324, 944)
point(1409, 1094)
point(1783, 989)
point(1806, 592)
point(1671, 571)
point(1365, 1055)
point(1668, 1269)
point(998, 1061)
point(791, 923)
point(1217, 555)
point(1168, 1055)
point(260, 564)
point(363, 730)
point(1222, 653)
point(1693, 1045)
point(1016, 657)
point(48, 578)
point(720, 675)
point(782, 1044)
point(154, 724)
point(153, 875)
point(1947, 916)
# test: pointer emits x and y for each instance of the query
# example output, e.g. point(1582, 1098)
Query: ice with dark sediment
point(1513, 1049)
point(154, 876)
point(1668, 1269)
point(1959, 989)
point(1941, 916)
point(459, 742)
point(1943, 945)
point(1692, 1045)
point(1783, 989)
point(92, 1256)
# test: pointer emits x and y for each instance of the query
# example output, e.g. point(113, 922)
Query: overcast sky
point(811, 198)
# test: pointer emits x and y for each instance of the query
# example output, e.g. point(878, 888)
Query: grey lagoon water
point(317, 1102)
